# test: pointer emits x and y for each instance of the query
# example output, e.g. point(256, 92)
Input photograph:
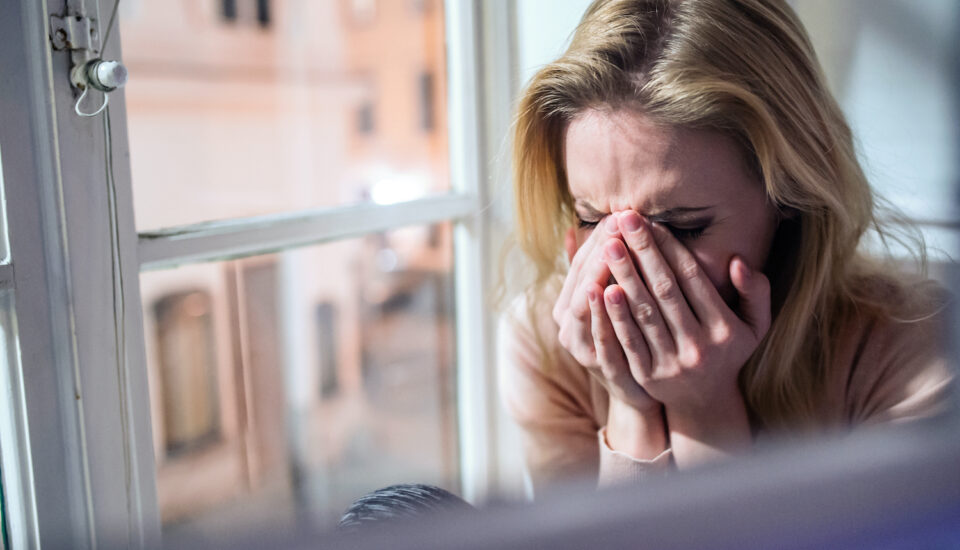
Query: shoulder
point(899, 368)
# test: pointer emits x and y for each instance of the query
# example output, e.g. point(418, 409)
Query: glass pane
point(4, 243)
point(3, 356)
point(246, 107)
point(10, 366)
point(3, 515)
point(289, 385)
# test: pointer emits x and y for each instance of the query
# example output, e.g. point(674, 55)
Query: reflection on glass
point(249, 107)
point(3, 517)
point(4, 243)
point(286, 386)
point(9, 367)
point(7, 342)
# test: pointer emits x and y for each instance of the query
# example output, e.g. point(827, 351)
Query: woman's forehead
point(621, 159)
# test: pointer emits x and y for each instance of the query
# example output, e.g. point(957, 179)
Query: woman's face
point(694, 182)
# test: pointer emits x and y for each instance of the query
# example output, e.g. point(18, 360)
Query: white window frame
point(78, 457)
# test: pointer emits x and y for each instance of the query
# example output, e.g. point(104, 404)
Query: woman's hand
point(682, 343)
point(585, 328)
point(571, 312)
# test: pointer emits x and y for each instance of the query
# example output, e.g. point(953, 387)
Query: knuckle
point(722, 335)
point(581, 312)
point(691, 358)
point(689, 269)
point(643, 239)
point(671, 369)
point(669, 377)
point(598, 334)
point(632, 343)
point(644, 313)
point(644, 379)
point(665, 288)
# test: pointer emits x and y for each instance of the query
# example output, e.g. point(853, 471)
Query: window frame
point(66, 389)
point(81, 443)
point(84, 453)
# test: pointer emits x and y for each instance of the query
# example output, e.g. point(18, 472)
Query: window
point(11, 428)
point(289, 409)
point(249, 10)
point(187, 362)
point(228, 10)
point(426, 101)
point(233, 347)
point(173, 277)
point(226, 124)
point(3, 516)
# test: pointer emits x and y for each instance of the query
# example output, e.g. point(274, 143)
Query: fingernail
point(614, 251)
point(615, 298)
point(592, 296)
point(631, 221)
point(611, 225)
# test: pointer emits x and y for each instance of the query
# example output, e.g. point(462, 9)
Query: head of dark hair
point(399, 503)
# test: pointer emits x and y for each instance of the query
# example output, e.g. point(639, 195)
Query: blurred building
point(297, 381)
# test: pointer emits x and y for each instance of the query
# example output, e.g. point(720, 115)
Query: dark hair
point(400, 502)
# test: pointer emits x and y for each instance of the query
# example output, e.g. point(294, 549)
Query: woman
point(688, 158)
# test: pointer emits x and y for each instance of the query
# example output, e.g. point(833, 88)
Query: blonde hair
point(746, 68)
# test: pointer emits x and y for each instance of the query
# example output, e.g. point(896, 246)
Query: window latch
point(79, 34)
point(76, 33)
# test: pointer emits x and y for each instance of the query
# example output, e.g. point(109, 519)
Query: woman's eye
point(586, 224)
point(687, 234)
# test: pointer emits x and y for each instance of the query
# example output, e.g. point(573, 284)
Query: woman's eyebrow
point(587, 208)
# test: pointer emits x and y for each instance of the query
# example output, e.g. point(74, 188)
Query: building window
point(365, 119)
point(228, 10)
point(426, 101)
point(187, 371)
point(247, 12)
point(327, 353)
point(263, 13)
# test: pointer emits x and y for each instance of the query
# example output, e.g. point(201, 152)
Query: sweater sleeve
point(559, 434)
point(618, 468)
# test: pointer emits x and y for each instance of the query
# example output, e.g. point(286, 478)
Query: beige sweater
point(889, 372)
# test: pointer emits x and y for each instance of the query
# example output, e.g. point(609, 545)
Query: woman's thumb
point(754, 289)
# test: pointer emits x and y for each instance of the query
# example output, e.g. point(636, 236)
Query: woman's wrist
point(709, 403)
point(706, 434)
point(639, 433)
